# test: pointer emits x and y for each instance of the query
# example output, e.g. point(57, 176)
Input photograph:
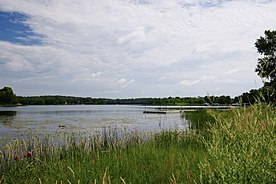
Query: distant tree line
point(263, 94)
point(69, 100)
point(7, 97)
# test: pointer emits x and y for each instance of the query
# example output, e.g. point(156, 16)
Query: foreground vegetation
point(161, 158)
point(237, 146)
point(242, 147)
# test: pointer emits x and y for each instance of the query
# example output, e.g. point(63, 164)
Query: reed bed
point(200, 119)
point(111, 156)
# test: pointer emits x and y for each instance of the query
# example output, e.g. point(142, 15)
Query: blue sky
point(14, 30)
point(132, 48)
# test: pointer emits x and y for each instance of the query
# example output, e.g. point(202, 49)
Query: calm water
point(31, 120)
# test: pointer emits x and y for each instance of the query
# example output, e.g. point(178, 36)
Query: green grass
point(237, 146)
point(242, 148)
point(160, 158)
point(200, 119)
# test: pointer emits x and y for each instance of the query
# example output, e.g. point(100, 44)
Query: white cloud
point(104, 45)
point(124, 83)
point(194, 82)
point(232, 71)
point(135, 36)
point(189, 82)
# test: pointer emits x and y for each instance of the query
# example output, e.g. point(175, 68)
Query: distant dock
point(180, 109)
point(162, 112)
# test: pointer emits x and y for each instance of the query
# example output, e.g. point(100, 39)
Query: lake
point(21, 121)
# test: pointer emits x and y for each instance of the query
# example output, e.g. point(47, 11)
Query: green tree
point(7, 96)
point(266, 66)
point(266, 46)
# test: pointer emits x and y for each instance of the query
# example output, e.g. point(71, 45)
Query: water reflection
point(7, 118)
point(8, 113)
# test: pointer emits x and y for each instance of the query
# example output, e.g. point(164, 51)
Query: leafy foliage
point(266, 66)
point(266, 46)
point(7, 96)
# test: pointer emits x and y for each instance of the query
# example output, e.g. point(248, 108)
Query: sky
point(132, 48)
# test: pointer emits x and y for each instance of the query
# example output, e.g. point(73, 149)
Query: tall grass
point(104, 158)
point(199, 119)
point(242, 148)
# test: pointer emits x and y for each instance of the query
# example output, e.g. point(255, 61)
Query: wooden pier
point(162, 111)
point(180, 109)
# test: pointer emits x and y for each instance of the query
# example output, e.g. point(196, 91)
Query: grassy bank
point(165, 157)
point(237, 146)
